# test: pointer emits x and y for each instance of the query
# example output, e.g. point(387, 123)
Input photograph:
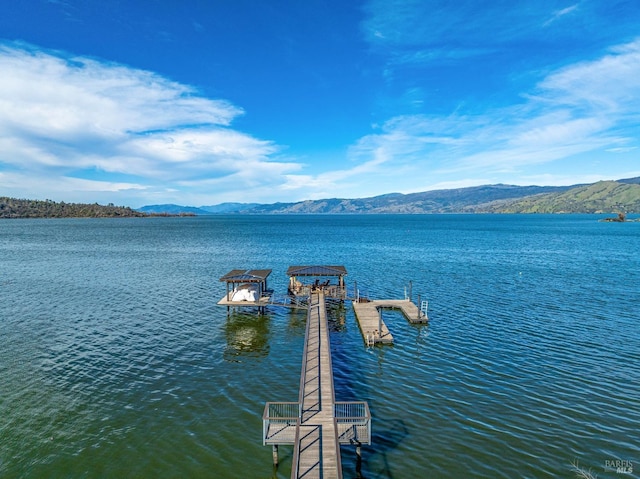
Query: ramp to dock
point(316, 425)
point(316, 450)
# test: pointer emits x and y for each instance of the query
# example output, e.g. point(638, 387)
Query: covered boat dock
point(246, 287)
point(304, 280)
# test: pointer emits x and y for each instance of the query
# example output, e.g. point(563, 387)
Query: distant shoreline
point(12, 208)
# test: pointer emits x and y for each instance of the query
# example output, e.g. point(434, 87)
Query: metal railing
point(338, 455)
point(424, 305)
point(353, 420)
point(287, 300)
point(279, 422)
point(295, 459)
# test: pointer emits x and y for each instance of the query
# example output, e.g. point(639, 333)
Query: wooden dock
point(316, 425)
point(316, 450)
point(369, 317)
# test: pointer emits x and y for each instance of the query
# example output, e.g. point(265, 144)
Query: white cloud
point(64, 117)
point(558, 14)
point(78, 129)
point(63, 97)
point(197, 152)
point(20, 185)
point(609, 84)
point(584, 108)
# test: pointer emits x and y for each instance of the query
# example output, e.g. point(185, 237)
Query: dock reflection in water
point(247, 334)
point(116, 361)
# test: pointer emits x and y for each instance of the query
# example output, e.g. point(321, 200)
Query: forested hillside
point(17, 208)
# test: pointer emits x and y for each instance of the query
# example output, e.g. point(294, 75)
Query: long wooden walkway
point(316, 449)
point(316, 425)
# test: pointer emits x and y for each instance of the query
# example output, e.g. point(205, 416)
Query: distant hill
point(631, 181)
point(18, 208)
point(229, 208)
point(170, 209)
point(459, 200)
point(222, 208)
point(601, 197)
point(622, 196)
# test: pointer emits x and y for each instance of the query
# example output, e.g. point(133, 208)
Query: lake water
point(115, 360)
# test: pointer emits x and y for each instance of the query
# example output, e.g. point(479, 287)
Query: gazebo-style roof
point(246, 276)
point(316, 271)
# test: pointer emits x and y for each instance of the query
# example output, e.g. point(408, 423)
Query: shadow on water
point(383, 441)
point(247, 334)
point(387, 436)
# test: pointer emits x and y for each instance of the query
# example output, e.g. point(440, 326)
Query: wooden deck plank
point(316, 430)
point(316, 446)
point(371, 323)
point(408, 308)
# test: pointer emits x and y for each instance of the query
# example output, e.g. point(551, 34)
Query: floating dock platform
point(369, 316)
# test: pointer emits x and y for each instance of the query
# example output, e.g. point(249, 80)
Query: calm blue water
point(115, 360)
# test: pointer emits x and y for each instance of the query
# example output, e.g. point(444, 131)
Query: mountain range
point(601, 197)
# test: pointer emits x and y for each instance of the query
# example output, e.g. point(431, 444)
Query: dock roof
point(246, 275)
point(317, 271)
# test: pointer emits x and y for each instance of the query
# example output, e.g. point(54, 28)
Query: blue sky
point(200, 102)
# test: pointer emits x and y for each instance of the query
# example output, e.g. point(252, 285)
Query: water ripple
point(116, 362)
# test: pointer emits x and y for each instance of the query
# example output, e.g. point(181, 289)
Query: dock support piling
point(358, 445)
point(275, 455)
